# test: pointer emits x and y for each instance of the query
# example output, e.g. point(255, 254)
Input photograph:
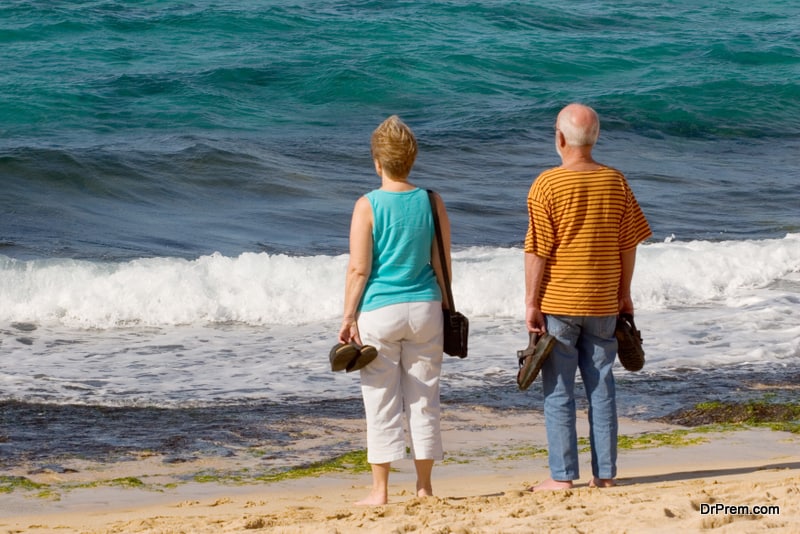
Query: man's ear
point(560, 139)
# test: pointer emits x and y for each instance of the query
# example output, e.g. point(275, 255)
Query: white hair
point(576, 134)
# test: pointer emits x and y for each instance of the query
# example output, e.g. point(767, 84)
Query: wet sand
point(733, 481)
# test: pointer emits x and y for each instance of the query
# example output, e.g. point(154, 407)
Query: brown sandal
point(533, 357)
point(629, 341)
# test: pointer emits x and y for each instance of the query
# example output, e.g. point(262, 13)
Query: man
point(580, 250)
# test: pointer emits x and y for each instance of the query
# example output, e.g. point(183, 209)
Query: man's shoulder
point(611, 170)
point(564, 174)
point(548, 175)
point(552, 170)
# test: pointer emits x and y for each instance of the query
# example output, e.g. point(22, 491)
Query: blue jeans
point(586, 344)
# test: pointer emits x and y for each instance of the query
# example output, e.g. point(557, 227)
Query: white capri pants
point(404, 378)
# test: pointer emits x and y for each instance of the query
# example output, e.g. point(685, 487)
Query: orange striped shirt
point(581, 221)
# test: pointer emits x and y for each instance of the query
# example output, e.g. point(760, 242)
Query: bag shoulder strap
point(443, 260)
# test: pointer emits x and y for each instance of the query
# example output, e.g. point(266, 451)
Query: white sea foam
point(263, 289)
point(256, 326)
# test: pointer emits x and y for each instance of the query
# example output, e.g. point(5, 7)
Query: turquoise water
point(109, 69)
point(180, 129)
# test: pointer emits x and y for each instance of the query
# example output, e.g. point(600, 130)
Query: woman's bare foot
point(379, 495)
point(374, 499)
point(552, 485)
point(424, 469)
point(602, 483)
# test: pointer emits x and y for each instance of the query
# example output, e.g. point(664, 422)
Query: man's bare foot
point(602, 483)
point(374, 499)
point(424, 492)
point(552, 485)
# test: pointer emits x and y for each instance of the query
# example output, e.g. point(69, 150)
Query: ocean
point(178, 179)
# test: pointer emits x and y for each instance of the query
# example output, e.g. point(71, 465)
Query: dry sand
point(481, 488)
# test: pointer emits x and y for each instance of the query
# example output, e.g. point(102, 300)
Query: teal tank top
point(402, 236)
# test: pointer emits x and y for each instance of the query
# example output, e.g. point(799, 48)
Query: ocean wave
point(277, 289)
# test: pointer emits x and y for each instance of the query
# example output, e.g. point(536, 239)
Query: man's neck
point(579, 158)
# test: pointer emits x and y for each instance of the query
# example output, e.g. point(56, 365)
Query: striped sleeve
point(633, 227)
point(540, 237)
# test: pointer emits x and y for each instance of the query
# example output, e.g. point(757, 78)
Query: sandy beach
point(671, 479)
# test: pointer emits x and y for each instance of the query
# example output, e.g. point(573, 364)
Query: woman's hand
point(349, 332)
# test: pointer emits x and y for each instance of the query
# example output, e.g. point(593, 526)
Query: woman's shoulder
point(363, 201)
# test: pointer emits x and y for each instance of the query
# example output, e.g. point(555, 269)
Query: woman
point(393, 301)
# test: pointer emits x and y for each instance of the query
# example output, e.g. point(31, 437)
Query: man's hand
point(626, 304)
point(534, 320)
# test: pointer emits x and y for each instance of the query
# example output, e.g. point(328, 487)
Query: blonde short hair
point(394, 146)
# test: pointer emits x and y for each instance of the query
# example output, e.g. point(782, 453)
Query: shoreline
point(289, 433)
point(491, 457)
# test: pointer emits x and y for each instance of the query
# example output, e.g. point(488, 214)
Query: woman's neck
point(395, 186)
